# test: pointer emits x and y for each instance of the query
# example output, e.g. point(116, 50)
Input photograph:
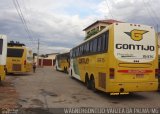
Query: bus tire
point(93, 84)
point(56, 68)
point(87, 82)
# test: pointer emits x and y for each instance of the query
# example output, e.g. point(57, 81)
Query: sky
point(59, 24)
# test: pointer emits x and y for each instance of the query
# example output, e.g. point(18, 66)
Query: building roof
point(109, 21)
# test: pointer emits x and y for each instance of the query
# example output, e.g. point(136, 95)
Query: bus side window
point(77, 51)
point(99, 44)
point(84, 48)
point(91, 46)
point(103, 42)
point(106, 41)
point(95, 45)
point(87, 47)
point(70, 53)
point(81, 49)
point(73, 53)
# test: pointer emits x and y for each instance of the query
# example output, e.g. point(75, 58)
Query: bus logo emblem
point(136, 35)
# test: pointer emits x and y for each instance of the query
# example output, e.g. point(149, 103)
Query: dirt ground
point(48, 88)
point(8, 94)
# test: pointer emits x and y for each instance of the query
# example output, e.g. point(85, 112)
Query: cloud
point(141, 11)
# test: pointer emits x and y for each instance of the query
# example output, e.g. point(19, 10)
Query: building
point(98, 26)
point(45, 60)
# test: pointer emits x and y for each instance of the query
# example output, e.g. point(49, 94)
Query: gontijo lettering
point(135, 47)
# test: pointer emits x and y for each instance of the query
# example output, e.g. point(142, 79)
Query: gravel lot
point(48, 88)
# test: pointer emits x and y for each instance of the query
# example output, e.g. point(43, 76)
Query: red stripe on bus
point(135, 71)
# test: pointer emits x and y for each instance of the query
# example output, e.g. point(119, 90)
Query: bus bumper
point(132, 87)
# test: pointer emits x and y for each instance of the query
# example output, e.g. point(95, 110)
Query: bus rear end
point(3, 51)
point(29, 60)
point(16, 61)
point(135, 64)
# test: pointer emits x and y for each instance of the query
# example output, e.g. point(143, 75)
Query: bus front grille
point(16, 67)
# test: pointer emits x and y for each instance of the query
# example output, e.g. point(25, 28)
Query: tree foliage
point(93, 32)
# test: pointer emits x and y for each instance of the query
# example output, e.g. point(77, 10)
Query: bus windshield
point(15, 52)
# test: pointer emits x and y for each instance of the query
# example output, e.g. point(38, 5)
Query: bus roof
point(94, 36)
point(17, 47)
point(105, 29)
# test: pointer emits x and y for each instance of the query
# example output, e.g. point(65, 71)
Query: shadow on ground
point(126, 97)
point(26, 74)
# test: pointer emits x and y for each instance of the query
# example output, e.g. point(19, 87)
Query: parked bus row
point(14, 58)
point(122, 58)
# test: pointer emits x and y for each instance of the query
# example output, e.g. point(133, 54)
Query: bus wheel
point(93, 84)
point(56, 68)
point(87, 82)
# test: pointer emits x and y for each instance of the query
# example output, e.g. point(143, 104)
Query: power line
point(24, 20)
point(29, 22)
point(150, 13)
point(19, 11)
point(109, 9)
point(155, 13)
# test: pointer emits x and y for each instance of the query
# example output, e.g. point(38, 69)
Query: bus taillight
point(111, 71)
point(156, 73)
point(24, 62)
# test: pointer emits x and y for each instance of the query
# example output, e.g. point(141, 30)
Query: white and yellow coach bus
point(19, 58)
point(3, 53)
point(62, 62)
point(122, 58)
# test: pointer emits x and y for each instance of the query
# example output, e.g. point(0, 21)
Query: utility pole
point(38, 54)
point(157, 28)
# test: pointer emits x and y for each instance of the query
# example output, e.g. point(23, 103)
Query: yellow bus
point(62, 62)
point(19, 58)
point(122, 58)
point(3, 52)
